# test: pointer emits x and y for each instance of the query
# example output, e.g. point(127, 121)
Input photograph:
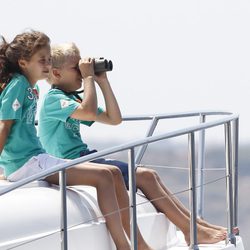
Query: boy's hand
point(86, 67)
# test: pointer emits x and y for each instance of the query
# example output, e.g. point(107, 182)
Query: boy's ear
point(56, 73)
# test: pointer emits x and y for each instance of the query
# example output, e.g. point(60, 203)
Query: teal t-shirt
point(58, 132)
point(18, 102)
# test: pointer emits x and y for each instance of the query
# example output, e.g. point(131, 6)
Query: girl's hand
point(86, 67)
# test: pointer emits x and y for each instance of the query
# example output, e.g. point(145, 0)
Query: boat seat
point(39, 183)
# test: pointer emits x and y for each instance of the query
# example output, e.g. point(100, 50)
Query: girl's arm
point(5, 127)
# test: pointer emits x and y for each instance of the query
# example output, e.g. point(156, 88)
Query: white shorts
point(35, 165)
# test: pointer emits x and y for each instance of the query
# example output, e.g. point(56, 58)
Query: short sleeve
point(12, 100)
point(59, 106)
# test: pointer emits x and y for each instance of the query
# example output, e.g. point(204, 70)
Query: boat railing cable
point(231, 143)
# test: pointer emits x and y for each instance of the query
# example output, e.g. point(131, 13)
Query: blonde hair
point(60, 53)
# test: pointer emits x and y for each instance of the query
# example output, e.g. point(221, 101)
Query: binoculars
point(102, 65)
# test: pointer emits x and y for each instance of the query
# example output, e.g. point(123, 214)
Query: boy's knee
point(146, 175)
point(116, 172)
point(105, 175)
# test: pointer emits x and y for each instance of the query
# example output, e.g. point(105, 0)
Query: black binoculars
point(102, 65)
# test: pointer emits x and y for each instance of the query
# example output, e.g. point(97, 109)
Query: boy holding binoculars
point(63, 111)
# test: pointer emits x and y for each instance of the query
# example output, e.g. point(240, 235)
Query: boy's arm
point(112, 115)
point(87, 110)
point(5, 127)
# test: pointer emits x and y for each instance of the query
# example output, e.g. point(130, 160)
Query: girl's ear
point(22, 63)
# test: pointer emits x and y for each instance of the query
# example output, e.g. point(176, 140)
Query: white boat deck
point(32, 221)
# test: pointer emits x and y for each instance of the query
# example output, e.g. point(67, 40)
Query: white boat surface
point(32, 213)
point(32, 221)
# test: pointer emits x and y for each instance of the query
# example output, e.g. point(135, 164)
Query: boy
point(63, 110)
point(60, 117)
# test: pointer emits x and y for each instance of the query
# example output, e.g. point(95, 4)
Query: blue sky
point(169, 56)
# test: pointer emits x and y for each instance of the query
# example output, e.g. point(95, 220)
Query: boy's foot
point(207, 236)
point(212, 226)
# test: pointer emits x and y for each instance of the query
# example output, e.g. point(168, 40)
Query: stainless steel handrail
point(145, 141)
point(175, 115)
point(116, 149)
point(201, 154)
point(192, 186)
point(201, 167)
point(235, 152)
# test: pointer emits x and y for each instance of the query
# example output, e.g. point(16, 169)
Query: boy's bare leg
point(123, 201)
point(149, 185)
point(186, 211)
point(102, 180)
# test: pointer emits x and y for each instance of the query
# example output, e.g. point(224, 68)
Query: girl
point(23, 62)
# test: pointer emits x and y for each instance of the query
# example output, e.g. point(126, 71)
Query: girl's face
point(37, 68)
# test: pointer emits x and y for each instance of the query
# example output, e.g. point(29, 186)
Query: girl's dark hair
point(24, 46)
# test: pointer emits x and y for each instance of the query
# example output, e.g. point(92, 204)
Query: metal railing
point(231, 126)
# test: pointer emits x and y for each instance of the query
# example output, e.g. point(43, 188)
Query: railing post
point(132, 200)
point(192, 199)
point(64, 232)
point(229, 188)
point(201, 165)
point(143, 148)
point(235, 169)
